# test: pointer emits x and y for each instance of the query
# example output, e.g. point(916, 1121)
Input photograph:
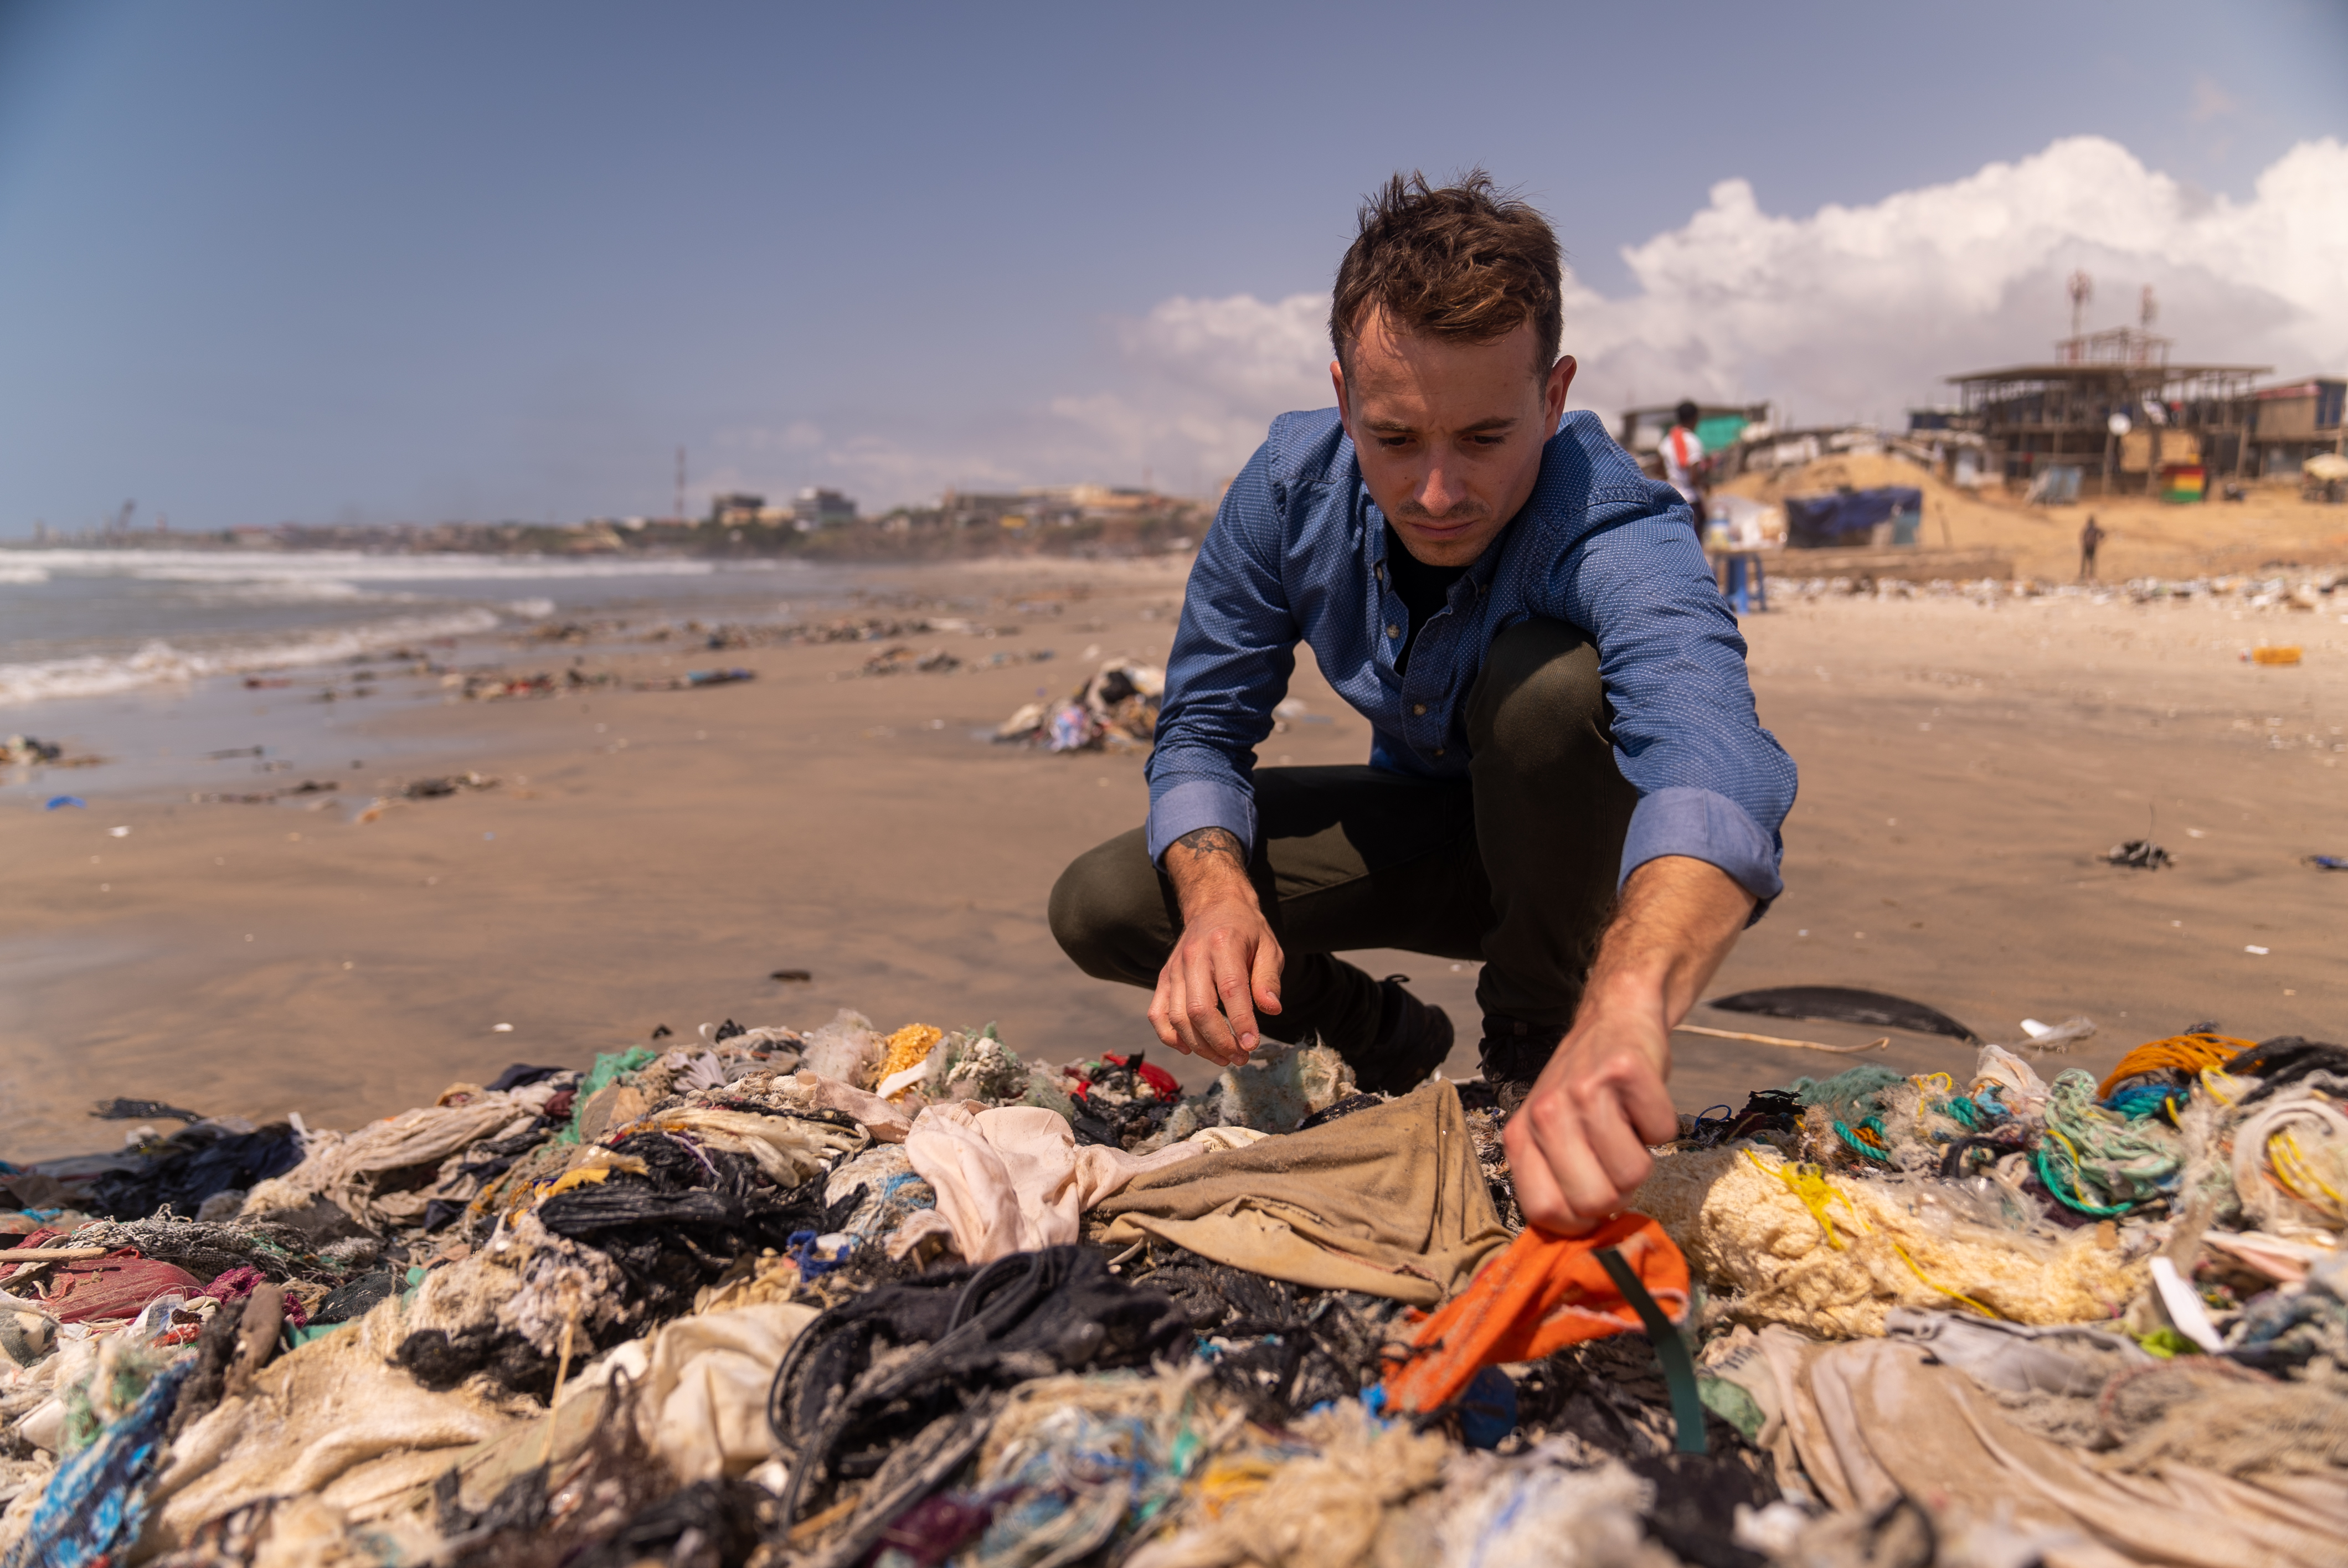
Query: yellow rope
point(1944, 1290)
point(2284, 1146)
point(1808, 1183)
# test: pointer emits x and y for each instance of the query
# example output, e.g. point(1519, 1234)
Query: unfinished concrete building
point(2113, 407)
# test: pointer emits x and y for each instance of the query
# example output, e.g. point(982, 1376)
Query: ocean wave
point(351, 567)
point(22, 574)
point(288, 591)
point(160, 664)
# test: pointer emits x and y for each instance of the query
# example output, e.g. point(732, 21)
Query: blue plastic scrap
point(1487, 1409)
point(57, 802)
point(96, 1504)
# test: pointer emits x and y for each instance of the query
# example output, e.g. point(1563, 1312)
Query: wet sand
point(650, 857)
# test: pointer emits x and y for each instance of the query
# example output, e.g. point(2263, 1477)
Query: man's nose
point(1441, 491)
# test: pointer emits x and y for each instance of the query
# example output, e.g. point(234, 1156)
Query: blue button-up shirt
point(1298, 554)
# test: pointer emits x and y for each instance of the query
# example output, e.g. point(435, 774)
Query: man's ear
point(1337, 383)
point(1560, 382)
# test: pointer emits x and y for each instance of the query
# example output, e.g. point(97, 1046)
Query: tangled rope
point(2186, 1053)
point(2098, 1163)
point(2294, 1148)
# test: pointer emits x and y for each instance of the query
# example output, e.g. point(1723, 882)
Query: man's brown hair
point(1468, 261)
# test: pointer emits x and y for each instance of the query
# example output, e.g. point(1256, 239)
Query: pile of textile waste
point(846, 1297)
point(1116, 709)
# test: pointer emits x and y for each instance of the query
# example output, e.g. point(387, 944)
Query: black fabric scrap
point(1610, 1396)
point(142, 1111)
point(193, 1164)
point(1953, 1161)
point(1279, 1349)
point(349, 1303)
point(723, 1518)
point(1341, 1109)
point(521, 1075)
point(1694, 1512)
point(669, 1232)
point(521, 1505)
point(845, 1394)
point(2283, 1061)
point(440, 1361)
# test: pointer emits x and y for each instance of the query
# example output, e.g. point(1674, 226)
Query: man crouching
point(1568, 780)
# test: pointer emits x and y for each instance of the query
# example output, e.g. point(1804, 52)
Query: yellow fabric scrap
point(909, 1047)
point(571, 1179)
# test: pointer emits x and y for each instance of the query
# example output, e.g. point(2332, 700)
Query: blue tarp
point(1847, 519)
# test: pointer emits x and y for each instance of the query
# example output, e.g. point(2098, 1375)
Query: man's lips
point(1429, 526)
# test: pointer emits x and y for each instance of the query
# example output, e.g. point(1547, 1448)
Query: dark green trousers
point(1515, 867)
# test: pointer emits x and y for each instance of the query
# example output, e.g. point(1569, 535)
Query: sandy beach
point(651, 857)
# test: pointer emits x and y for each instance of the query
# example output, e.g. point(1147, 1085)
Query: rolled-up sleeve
point(1714, 786)
point(1232, 657)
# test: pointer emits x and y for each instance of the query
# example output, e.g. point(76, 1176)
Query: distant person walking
point(2089, 538)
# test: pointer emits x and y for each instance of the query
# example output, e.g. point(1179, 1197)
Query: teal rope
point(1670, 1352)
point(1880, 1151)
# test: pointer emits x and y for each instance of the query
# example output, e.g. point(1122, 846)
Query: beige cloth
point(334, 1417)
point(353, 1169)
point(1390, 1202)
point(1878, 1419)
point(1014, 1179)
point(700, 1386)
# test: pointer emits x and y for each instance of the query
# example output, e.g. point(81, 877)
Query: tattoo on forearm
point(1202, 842)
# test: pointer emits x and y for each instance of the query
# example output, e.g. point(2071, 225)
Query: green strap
point(1670, 1352)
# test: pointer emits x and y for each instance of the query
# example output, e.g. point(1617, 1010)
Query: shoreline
point(655, 871)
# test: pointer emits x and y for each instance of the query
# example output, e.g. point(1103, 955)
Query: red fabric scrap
point(238, 1282)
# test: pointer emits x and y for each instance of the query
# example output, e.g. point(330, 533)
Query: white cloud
point(1205, 376)
point(1849, 312)
point(1861, 309)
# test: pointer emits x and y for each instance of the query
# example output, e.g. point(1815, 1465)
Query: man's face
point(1449, 435)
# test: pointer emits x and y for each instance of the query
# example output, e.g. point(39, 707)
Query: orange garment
point(1542, 1294)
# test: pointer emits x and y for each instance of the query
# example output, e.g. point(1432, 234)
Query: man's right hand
point(1226, 966)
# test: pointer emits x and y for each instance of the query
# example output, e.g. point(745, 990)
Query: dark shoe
point(1413, 1039)
point(1513, 1053)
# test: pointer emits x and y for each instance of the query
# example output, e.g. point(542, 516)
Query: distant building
point(732, 511)
point(2111, 405)
point(2292, 423)
point(816, 508)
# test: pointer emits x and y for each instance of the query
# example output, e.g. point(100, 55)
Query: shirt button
point(1439, 750)
point(1419, 709)
point(1394, 631)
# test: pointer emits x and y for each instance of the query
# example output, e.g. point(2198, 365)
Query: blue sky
point(373, 262)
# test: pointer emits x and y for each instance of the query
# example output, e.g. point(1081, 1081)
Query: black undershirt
point(1422, 589)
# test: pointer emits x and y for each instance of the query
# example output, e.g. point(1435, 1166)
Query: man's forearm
point(1208, 864)
point(1678, 919)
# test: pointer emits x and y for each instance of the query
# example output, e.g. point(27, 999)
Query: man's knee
point(1540, 699)
point(1107, 911)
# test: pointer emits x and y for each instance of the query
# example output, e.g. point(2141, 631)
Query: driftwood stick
point(1773, 1039)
